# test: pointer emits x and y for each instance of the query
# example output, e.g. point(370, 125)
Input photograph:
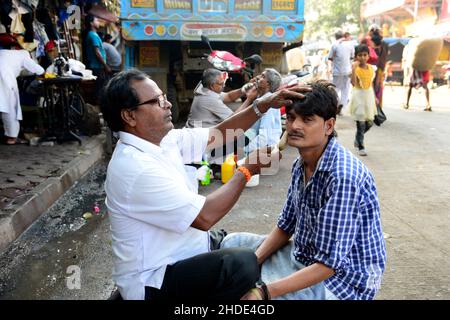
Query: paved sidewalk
point(32, 178)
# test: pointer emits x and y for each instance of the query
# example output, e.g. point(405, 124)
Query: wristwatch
point(261, 285)
point(255, 108)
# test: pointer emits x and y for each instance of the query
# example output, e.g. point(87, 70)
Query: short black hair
point(107, 37)
point(88, 20)
point(361, 48)
point(322, 101)
point(376, 37)
point(118, 95)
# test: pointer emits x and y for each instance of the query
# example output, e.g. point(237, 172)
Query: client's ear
point(329, 126)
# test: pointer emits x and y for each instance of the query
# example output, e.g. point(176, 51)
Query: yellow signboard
point(271, 56)
point(286, 5)
point(177, 4)
point(148, 55)
point(143, 3)
point(247, 5)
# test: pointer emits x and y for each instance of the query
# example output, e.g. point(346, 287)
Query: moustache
point(296, 134)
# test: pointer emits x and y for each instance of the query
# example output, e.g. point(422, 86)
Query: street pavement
point(409, 156)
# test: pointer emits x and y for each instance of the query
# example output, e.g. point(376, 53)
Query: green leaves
point(328, 15)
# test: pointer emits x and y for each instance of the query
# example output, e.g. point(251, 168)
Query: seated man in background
point(267, 130)
point(209, 105)
point(209, 109)
point(332, 211)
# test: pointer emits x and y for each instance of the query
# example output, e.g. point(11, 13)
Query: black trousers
point(361, 128)
point(225, 274)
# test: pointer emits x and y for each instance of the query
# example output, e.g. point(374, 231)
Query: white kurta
point(12, 62)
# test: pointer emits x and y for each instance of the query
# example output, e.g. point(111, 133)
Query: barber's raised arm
point(244, 119)
point(232, 96)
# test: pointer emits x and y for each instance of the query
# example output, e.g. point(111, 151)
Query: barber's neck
point(149, 137)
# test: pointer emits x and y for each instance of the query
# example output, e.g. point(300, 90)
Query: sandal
point(427, 109)
point(17, 141)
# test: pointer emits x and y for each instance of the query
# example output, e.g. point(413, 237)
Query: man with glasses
point(161, 244)
point(209, 105)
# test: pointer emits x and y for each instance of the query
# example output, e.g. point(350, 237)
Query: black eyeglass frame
point(161, 99)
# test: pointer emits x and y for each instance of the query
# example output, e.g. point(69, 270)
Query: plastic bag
point(380, 117)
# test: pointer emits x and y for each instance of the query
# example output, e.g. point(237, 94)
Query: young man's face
point(308, 132)
point(95, 23)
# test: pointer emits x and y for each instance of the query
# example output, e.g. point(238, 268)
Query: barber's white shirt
point(152, 203)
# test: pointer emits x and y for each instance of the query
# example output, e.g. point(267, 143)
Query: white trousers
point(11, 124)
point(342, 84)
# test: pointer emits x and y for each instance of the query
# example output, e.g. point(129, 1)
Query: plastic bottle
point(207, 179)
point(227, 169)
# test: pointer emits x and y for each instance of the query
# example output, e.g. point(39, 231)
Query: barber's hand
point(252, 295)
point(251, 94)
point(283, 97)
point(261, 158)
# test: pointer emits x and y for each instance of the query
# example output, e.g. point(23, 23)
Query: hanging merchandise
point(29, 46)
point(41, 36)
point(2, 28)
point(27, 20)
point(43, 16)
point(17, 25)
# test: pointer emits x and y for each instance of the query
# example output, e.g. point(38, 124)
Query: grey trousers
point(279, 265)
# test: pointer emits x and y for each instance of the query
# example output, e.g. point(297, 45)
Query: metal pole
point(416, 9)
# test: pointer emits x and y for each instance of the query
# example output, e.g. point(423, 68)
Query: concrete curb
point(45, 194)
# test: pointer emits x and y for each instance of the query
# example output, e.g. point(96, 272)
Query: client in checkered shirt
point(328, 242)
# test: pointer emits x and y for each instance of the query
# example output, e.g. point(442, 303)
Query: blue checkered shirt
point(335, 220)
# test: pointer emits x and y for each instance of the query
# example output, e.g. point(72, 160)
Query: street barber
point(160, 226)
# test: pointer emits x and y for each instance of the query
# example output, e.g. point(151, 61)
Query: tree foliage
point(325, 16)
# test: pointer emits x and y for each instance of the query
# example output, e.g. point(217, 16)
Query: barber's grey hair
point(209, 77)
point(273, 78)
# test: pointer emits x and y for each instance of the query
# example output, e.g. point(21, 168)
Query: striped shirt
point(335, 220)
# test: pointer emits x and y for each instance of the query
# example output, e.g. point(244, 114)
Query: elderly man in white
point(12, 62)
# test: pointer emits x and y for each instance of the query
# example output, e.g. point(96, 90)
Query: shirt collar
point(139, 143)
point(327, 158)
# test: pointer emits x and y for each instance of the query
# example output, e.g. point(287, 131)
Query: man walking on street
point(341, 55)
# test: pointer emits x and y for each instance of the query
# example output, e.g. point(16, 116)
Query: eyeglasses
point(161, 99)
